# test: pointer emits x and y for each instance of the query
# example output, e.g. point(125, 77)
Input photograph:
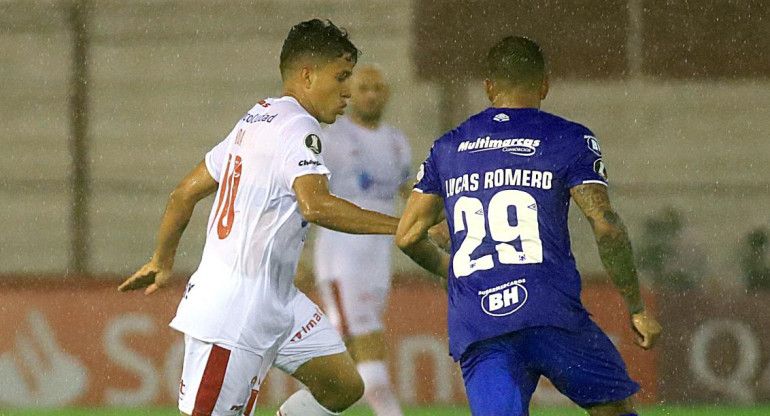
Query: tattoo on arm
point(612, 240)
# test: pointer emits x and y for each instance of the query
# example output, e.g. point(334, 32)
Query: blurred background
point(106, 105)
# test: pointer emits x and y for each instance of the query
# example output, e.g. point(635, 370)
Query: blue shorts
point(501, 373)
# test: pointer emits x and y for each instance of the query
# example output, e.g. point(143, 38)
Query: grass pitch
point(662, 410)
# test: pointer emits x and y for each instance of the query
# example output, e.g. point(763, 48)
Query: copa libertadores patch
point(313, 143)
point(600, 168)
point(421, 172)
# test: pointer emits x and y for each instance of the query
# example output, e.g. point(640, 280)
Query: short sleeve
point(428, 181)
point(215, 157)
point(587, 165)
point(304, 146)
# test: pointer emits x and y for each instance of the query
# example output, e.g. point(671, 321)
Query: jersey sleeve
point(428, 181)
point(304, 145)
point(587, 165)
point(215, 157)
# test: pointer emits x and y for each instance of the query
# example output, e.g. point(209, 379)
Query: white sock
point(302, 403)
point(377, 389)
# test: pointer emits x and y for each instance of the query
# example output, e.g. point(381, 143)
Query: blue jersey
point(505, 177)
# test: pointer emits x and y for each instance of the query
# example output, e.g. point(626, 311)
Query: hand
point(439, 233)
point(646, 329)
point(151, 275)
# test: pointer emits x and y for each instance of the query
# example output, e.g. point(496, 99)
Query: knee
point(350, 392)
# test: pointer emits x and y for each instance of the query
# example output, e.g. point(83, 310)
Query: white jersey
point(368, 166)
point(243, 291)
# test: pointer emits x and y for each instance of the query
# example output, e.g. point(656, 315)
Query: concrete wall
point(168, 82)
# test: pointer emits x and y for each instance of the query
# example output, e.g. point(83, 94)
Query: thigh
point(497, 380)
point(219, 379)
point(584, 366)
point(312, 336)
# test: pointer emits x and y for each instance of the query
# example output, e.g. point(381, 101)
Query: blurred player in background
point(241, 312)
point(370, 164)
point(504, 179)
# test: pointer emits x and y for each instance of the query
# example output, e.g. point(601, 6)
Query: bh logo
point(504, 299)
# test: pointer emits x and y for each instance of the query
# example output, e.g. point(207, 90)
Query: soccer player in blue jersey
point(504, 179)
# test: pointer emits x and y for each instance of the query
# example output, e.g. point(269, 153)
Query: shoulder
point(395, 134)
point(565, 126)
point(289, 115)
point(482, 121)
point(300, 124)
point(466, 130)
point(575, 138)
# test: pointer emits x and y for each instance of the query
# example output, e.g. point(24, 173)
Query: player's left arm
point(422, 212)
point(617, 256)
point(197, 185)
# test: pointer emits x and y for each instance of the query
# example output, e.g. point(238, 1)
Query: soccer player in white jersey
point(241, 312)
point(370, 164)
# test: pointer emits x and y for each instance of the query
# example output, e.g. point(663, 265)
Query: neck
point(517, 100)
point(297, 94)
point(369, 123)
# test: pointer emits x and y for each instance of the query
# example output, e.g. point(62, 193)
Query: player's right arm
point(617, 256)
point(422, 212)
point(197, 185)
point(320, 207)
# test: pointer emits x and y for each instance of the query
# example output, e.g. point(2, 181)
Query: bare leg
point(332, 380)
point(622, 407)
point(368, 350)
point(367, 347)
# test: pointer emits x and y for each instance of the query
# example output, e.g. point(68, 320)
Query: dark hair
point(516, 60)
point(316, 39)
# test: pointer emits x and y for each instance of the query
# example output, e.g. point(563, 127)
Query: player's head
point(317, 59)
point(369, 93)
point(516, 64)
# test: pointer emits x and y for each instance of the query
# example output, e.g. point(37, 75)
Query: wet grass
point(662, 410)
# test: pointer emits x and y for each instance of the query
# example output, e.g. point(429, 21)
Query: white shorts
point(221, 379)
point(353, 277)
point(218, 379)
point(312, 336)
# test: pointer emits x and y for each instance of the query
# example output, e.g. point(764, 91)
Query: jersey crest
point(313, 142)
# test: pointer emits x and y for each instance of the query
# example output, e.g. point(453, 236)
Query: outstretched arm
point(320, 207)
point(197, 185)
point(422, 212)
point(617, 256)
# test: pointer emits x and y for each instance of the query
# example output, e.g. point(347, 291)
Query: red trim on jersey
point(211, 382)
point(336, 294)
point(252, 400)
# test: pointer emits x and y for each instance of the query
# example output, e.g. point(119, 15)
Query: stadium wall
point(79, 342)
point(167, 82)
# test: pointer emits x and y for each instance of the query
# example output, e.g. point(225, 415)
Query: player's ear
point(307, 76)
point(544, 88)
point(489, 87)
